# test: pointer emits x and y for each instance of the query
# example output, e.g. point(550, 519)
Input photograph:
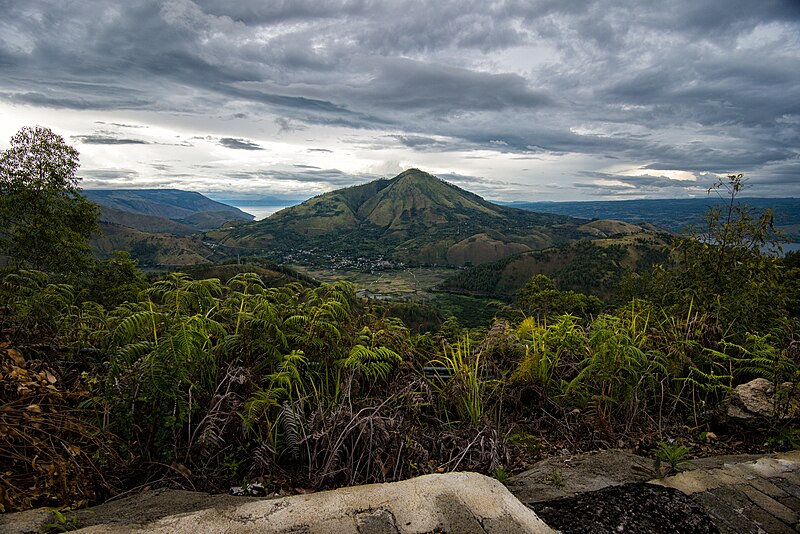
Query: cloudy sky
point(514, 100)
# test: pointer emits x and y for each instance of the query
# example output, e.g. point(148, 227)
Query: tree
point(540, 298)
point(728, 267)
point(45, 223)
point(116, 280)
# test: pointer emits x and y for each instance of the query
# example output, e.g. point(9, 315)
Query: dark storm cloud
point(411, 85)
point(646, 180)
point(110, 175)
point(329, 176)
point(693, 85)
point(422, 143)
point(239, 144)
point(94, 139)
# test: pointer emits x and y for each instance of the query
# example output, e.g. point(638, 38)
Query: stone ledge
point(452, 502)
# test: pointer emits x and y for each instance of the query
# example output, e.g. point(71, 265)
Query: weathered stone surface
point(727, 507)
point(453, 502)
point(377, 522)
point(565, 476)
point(740, 494)
point(744, 497)
point(28, 522)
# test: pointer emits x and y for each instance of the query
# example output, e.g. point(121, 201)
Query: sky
point(513, 100)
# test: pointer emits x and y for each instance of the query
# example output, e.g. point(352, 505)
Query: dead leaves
point(48, 453)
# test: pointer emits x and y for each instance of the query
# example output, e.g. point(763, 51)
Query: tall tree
point(45, 223)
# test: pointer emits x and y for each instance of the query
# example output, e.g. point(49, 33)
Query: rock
point(568, 475)
point(27, 522)
point(452, 502)
point(759, 399)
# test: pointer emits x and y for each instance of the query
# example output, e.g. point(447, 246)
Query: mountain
point(412, 218)
point(190, 209)
point(160, 227)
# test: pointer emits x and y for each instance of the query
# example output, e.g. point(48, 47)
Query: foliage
point(556, 478)
point(370, 357)
point(467, 389)
point(63, 522)
point(540, 298)
point(502, 475)
point(50, 454)
point(549, 348)
point(620, 376)
point(116, 280)
point(728, 267)
point(206, 382)
point(673, 454)
point(44, 221)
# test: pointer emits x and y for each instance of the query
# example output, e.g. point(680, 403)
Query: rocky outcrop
point(452, 502)
point(564, 476)
point(740, 494)
point(759, 400)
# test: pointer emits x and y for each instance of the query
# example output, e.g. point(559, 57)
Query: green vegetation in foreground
point(110, 382)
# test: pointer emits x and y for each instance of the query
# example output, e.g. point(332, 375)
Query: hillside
point(159, 227)
point(151, 249)
point(143, 223)
point(188, 208)
point(593, 267)
point(413, 218)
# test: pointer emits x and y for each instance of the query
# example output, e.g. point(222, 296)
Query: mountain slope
point(412, 218)
point(594, 267)
point(151, 249)
point(160, 227)
point(186, 207)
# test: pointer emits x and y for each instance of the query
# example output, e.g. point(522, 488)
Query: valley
point(377, 333)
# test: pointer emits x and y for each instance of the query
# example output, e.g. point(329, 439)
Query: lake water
point(259, 212)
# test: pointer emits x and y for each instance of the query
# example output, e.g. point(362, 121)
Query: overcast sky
point(514, 100)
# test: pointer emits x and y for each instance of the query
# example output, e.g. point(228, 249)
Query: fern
point(290, 421)
point(373, 363)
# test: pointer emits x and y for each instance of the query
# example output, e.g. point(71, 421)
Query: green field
point(412, 284)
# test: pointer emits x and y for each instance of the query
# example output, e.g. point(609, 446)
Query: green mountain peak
point(413, 217)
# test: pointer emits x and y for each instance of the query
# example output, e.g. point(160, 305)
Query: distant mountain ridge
point(160, 227)
point(187, 207)
point(673, 214)
point(414, 217)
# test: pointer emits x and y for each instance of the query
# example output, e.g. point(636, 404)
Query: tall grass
point(468, 388)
